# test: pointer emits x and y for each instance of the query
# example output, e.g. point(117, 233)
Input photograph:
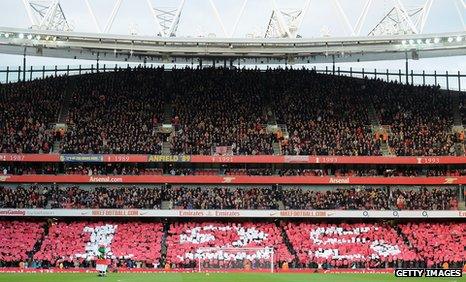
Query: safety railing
point(446, 80)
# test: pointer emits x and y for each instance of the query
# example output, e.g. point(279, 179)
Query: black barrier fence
point(446, 80)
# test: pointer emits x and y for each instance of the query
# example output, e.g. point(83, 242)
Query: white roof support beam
point(46, 15)
point(283, 25)
point(232, 33)
point(401, 8)
point(176, 19)
point(463, 2)
point(460, 13)
point(110, 21)
point(304, 10)
point(362, 18)
point(91, 12)
point(342, 13)
point(49, 13)
point(27, 6)
point(219, 19)
point(425, 15)
point(157, 22)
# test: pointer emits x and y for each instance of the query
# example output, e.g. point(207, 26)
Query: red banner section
point(231, 159)
point(200, 179)
point(330, 159)
point(52, 158)
point(194, 270)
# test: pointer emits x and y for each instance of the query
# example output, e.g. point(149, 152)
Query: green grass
point(202, 277)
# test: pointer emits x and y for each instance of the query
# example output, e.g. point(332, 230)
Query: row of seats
point(337, 244)
point(144, 169)
point(229, 197)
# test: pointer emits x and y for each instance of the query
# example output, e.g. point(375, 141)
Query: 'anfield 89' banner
point(168, 158)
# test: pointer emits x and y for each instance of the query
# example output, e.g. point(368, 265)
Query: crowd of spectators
point(225, 111)
point(75, 244)
point(226, 244)
point(17, 240)
point(21, 197)
point(185, 239)
point(420, 118)
point(440, 244)
point(123, 197)
point(425, 199)
point(324, 115)
point(26, 111)
point(66, 196)
point(116, 113)
point(220, 108)
point(112, 169)
point(342, 198)
point(225, 197)
point(348, 245)
point(149, 169)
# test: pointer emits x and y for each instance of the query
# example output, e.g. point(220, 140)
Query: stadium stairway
point(457, 123)
point(405, 238)
point(38, 244)
point(166, 205)
point(287, 241)
point(273, 127)
point(167, 113)
point(281, 205)
point(166, 148)
point(277, 148)
point(63, 114)
point(65, 108)
point(377, 127)
point(163, 247)
point(457, 120)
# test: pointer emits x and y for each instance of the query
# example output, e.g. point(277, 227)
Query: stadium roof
point(108, 47)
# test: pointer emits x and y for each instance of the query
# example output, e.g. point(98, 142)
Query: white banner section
point(234, 213)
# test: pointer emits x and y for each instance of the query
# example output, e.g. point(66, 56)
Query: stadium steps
point(287, 242)
point(373, 116)
point(166, 205)
point(281, 205)
point(65, 108)
point(164, 247)
point(405, 238)
point(377, 127)
point(63, 115)
point(167, 113)
point(166, 127)
point(166, 148)
point(457, 123)
point(457, 120)
point(273, 127)
point(459, 149)
point(277, 148)
point(271, 118)
point(385, 149)
point(38, 244)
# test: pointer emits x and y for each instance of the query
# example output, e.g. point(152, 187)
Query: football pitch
point(211, 277)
